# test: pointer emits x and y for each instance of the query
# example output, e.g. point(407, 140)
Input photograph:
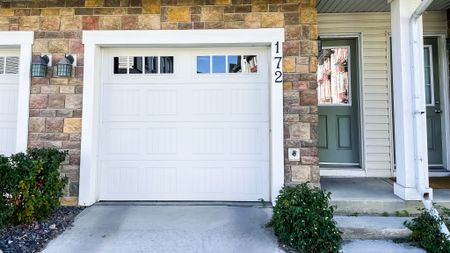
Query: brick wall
point(55, 102)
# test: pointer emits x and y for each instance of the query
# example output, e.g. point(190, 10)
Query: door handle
point(437, 110)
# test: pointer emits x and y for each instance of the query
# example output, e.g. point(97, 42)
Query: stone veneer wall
point(55, 103)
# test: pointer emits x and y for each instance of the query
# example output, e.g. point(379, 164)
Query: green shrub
point(425, 231)
point(303, 220)
point(31, 185)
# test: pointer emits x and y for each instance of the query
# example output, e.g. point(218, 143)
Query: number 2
point(278, 76)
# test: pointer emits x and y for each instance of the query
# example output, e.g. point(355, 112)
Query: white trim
point(360, 103)
point(23, 40)
point(444, 96)
point(95, 40)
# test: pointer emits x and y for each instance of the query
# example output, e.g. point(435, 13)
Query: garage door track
point(169, 228)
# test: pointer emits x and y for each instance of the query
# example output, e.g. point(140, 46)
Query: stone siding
point(56, 103)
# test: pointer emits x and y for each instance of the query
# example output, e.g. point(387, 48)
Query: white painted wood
point(185, 136)
point(9, 89)
point(94, 40)
point(376, 98)
point(19, 84)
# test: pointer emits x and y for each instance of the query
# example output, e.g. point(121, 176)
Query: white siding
point(374, 29)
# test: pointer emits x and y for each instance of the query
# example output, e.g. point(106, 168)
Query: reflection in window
point(120, 65)
point(218, 64)
point(136, 65)
point(249, 64)
point(151, 64)
point(234, 64)
point(333, 77)
point(203, 64)
point(166, 65)
point(428, 75)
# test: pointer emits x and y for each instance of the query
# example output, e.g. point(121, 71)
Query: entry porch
point(402, 120)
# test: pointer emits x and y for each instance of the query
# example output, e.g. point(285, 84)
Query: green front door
point(338, 103)
point(432, 99)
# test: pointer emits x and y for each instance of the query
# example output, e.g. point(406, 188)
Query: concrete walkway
point(128, 228)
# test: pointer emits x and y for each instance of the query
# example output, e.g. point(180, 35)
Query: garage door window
point(9, 65)
point(143, 65)
point(227, 64)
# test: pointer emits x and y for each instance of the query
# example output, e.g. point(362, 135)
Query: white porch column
point(410, 145)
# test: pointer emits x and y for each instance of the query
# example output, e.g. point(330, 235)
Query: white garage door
point(9, 83)
point(185, 124)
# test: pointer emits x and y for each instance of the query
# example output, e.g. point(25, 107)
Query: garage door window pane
point(136, 65)
point(234, 64)
point(151, 65)
point(203, 64)
point(219, 65)
point(166, 64)
point(120, 65)
point(250, 64)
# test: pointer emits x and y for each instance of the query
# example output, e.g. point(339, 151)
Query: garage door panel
point(7, 137)
point(185, 141)
point(121, 102)
point(122, 140)
point(165, 180)
point(8, 102)
point(182, 103)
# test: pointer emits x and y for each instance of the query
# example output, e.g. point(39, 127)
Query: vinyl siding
point(375, 92)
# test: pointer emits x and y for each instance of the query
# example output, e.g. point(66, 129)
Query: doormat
point(436, 182)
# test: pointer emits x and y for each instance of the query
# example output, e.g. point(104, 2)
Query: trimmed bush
point(425, 231)
point(31, 185)
point(303, 220)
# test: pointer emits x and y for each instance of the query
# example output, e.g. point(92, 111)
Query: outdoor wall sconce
point(65, 66)
point(39, 66)
point(319, 45)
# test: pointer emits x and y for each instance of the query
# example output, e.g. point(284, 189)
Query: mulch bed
point(34, 237)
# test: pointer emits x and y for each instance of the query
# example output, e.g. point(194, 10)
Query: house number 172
point(278, 59)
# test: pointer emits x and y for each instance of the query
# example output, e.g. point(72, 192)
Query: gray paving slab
point(377, 246)
point(131, 228)
point(372, 227)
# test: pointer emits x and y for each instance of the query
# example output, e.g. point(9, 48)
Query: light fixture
point(39, 66)
point(65, 66)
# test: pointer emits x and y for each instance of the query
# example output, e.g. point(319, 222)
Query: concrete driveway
point(172, 228)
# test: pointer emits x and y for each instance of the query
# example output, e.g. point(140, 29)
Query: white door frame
point(444, 95)
point(23, 41)
point(94, 41)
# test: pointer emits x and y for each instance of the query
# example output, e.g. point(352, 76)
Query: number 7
point(279, 61)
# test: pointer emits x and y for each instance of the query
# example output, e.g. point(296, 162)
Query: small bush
point(425, 231)
point(303, 220)
point(31, 185)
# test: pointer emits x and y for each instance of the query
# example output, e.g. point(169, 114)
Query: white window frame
point(24, 41)
point(94, 41)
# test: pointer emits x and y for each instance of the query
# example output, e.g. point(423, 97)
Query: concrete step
point(372, 227)
point(375, 207)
